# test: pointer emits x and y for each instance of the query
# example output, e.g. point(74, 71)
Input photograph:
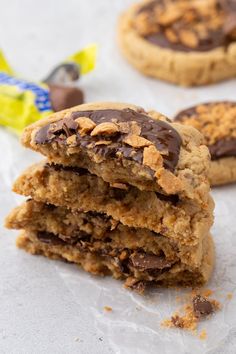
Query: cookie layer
point(99, 230)
point(138, 268)
point(125, 145)
point(76, 189)
point(187, 43)
point(217, 122)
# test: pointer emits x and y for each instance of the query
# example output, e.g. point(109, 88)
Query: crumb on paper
point(229, 296)
point(107, 308)
point(203, 334)
point(77, 339)
point(198, 308)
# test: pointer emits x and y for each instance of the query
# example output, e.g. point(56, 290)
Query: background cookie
point(185, 42)
point(217, 122)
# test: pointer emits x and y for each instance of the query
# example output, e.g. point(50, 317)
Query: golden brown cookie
point(138, 269)
point(125, 145)
point(217, 122)
point(184, 42)
point(124, 192)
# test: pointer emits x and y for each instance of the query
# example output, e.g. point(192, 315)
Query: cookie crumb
point(198, 309)
point(107, 308)
point(203, 335)
point(229, 296)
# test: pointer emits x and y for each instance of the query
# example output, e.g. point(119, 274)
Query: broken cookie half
point(123, 192)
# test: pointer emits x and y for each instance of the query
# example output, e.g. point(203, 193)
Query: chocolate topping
point(223, 148)
point(143, 261)
point(214, 119)
point(185, 25)
point(157, 132)
point(202, 307)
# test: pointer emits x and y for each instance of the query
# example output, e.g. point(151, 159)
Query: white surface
point(46, 305)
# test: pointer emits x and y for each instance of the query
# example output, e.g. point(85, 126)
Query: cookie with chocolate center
point(217, 122)
point(125, 145)
point(185, 42)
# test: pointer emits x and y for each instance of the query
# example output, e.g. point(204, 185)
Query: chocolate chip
point(202, 307)
point(49, 238)
point(63, 97)
point(117, 194)
point(144, 261)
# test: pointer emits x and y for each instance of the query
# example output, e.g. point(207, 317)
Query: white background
point(52, 307)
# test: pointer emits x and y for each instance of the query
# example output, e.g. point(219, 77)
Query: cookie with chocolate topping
point(184, 42)
point(217, 122)
point(124, 145)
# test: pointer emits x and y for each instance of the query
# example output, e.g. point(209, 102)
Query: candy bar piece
point(99, 230)
point(63, 97)
point(183, 221)
point(217, 122)
point(125, 145)
point(137, 267)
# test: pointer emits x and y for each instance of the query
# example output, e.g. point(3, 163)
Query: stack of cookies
point(123, 192)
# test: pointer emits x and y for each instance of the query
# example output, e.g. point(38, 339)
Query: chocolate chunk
point(63, 97)
point(173, 199)
point(160, 133)
point(144, 261)
point(77, 170)
point(63, 74)
point(49, 238)
point(202, 307)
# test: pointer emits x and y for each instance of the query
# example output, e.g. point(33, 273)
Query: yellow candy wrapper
point(85, 59)
point(23, 102)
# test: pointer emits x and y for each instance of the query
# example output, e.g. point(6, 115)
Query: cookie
point(184, 42)
point(124, 145)
point(76, 189)
point(100, 232)
point(217, 122)
point(123, 192)
point(137, 268)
